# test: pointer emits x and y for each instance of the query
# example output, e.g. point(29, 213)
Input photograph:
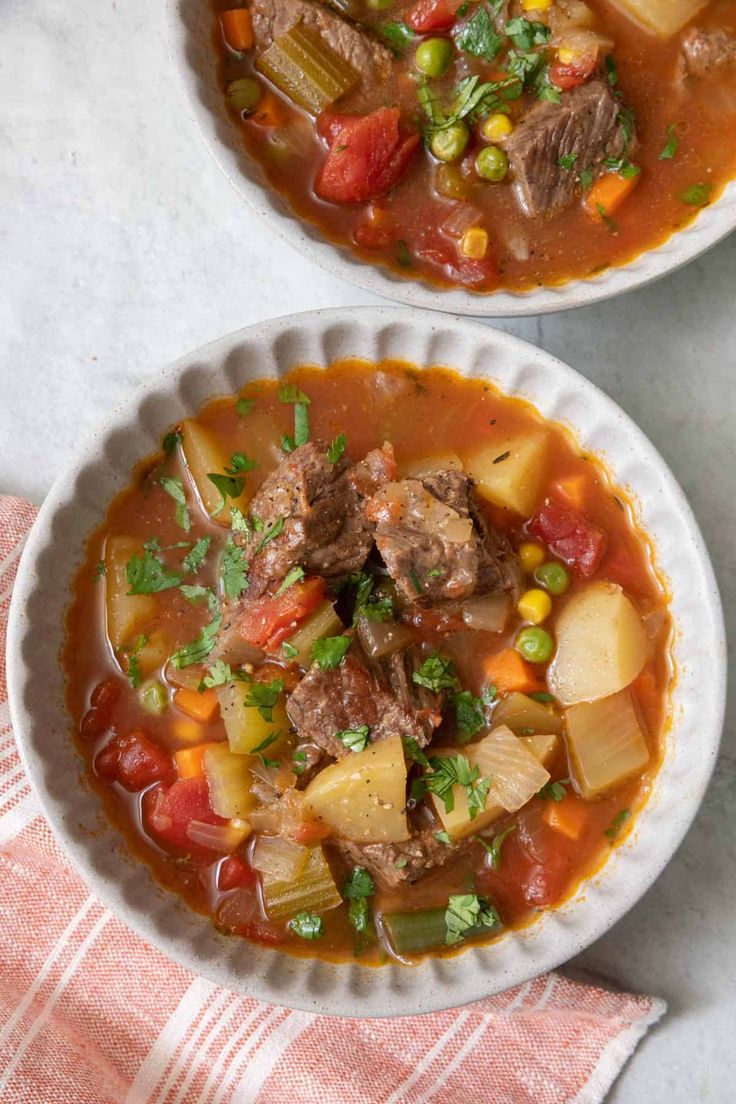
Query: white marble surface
point(123, 246)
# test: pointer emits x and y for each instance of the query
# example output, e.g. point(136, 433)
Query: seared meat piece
point(370, 59)
point(396, 671)
point(706, 52)
point(346, 697)
point(423, 853)
point(435, 543)
point(319, 507)
point(585, 126)
point(306, 761)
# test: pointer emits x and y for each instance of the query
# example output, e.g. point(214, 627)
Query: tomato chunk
point(536, 865)
point(576, 73)
point(169, 810)
point(269, 620)
point(368, 154)
point(235, 873)
point(463, 269)
point(570, 535)
point(428, 16)
point(134, 760)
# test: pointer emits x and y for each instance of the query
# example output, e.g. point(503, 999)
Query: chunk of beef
point(585, 126)
point(317, 510)
point(345, 697)
point(396, 671)
point(434, 541)
point(307, 760)
point(416, 857)
point(370, 59)
point(706, 52)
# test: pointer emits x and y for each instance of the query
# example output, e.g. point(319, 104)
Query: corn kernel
point(567, 57)
point(536, 5)
point(535, 606)
point(532, 556)
point(189, 732)
point(474, 243)
point(497, 126)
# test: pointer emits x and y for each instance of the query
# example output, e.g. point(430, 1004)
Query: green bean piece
point(424, 929)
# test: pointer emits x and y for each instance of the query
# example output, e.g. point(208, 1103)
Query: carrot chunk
point(507, 671)
point(237, 27)
point(270, 111)
point(568, 816)
point(608, 193)
point(572, 489)
point(190, 761)
point(202, 707)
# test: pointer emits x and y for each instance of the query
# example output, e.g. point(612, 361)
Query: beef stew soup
point(484, 145)
point(370, 662)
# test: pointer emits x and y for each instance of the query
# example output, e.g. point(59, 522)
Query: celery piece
point(312, 890)
point(153, 697)
point(306, 69)
point(424, 929)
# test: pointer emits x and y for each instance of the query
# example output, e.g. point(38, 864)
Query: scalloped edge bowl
point(189, 36)
point(76, 504)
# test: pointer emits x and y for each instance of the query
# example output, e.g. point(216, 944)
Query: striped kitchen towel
point(90, 1014)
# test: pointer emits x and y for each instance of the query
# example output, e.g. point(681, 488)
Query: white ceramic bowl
point(77, 503)
point(189, 33)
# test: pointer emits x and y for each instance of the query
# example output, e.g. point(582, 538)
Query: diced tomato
point(570, 535)
point(570, 76)
point(430, 16)
point(235, 873)
point(269, 620)
point(134, 760)
point(462, 269)
point(240, 913)
point(368, 154)
point(168, 811)
point(536, 865)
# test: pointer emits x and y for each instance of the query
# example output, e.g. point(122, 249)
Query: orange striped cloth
point(90, 1014)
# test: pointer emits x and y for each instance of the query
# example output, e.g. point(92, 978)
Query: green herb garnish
point(670, 147)
point(697, 195)
point(478, 36)
point(354, 739)
point(194, 559)
point(614, 828)
point(147, 574)
point(295, 575)
point(467, 911)
point(174, 487)
point(233, 570)
point(330, 651)
point(436, 673)
point(554, 791)
point(263, 697)
point(307, 925)
point(337, 448)
point(494, 847)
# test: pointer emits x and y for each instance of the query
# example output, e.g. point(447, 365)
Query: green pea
point(433, 56)
point(553, 577)
point(535, 644)
point(243, 94)
point(153, 697)
point(379, 5)
point(492, 164)
point(449, 143)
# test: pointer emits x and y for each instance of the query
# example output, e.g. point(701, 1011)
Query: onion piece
point(461, 218)
point(489, 613)
point(279, 859)
point(606, 743)
point(283, 816)
point(382, 638)
point(219, 837)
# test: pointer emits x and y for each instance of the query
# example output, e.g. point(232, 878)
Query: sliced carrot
point(270, 111)
point(572, 489)
point(189, 761)
point(507, 671)
point(568, 816)
point(608, 193)
point(186, 730)
point(237, 27)
point(201, 706)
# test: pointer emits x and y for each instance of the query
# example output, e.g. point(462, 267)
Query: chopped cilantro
point(611, 69)
point(100, 570)
point(525, 34)
point(263, 697)
point(330, 651)
point(474, 99)
point(413, 751)
point(290, 393)
point(554, 791)
point(219, 674)
point(146, 574)
point(494, 847)
point(233, 570)
point(670, 147)
point(359, 915)
point(244, 407)
point(466, 912)
point(171, 440)
point(229, 486)
point(288, 650)
point(174, 487)
point(239, 522)
point(195, 594)
point(614, 828)
point(401, 863)
point(240, 462)
point(307, 925)
point(337, 449)
point(403, 255)
point(448, 771)
point(134, 670)
point(436, 673)
point(478, 36)
point(488, 694)
point(355, 739)
point(415, 580)
point(586, 179)
point(435, 573)
point(397, 35)
point(266, 743)
point(567, 161)
point(626, 121)
point(269, 535)
point(375, 608)
point(442, 837)
point(295, 575)
point(358, 884)
point(194, 559)
point(469, 713)
point(542, 696)
point(199, 648)
point(697, 195)
point(606, 218)
point(621, 166)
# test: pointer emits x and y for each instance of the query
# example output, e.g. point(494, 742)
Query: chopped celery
point(153, 697)
point(323, 622)
point(312, 890)
point(426, 928)
point(306, 69)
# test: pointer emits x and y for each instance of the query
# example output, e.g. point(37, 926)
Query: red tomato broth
point(421, 411)
point(567, 245)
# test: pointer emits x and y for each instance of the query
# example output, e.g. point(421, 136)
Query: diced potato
point(229, 782)
point(525, 716)
point(601, 645)
point(487, 613)
point(543, 748)
point(245, 726)
point(428, 465)
point(126, 613)
point(513, 481)
point(323, 622)
point(154, 653)
point(516, 774)
point(205, 454)
point(662, 17)
point(606, 743)
point(312, 890)
point(363, 795)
